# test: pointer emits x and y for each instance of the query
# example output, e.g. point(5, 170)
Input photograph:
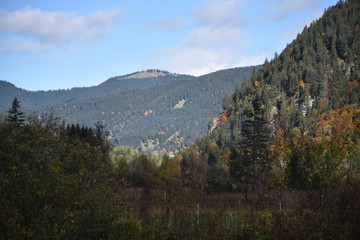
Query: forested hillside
point(136, 80)
point(152, 110)
point(317, 73)
point(296, 121)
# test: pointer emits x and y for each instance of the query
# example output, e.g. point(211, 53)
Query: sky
point(49, 45)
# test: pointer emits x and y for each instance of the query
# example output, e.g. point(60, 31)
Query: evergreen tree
point(255, 147)
point(14, 114)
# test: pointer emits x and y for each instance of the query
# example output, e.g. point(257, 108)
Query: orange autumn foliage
point(323, 158)
point(302, 84)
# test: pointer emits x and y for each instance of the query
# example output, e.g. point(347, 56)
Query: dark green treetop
point(14, 114)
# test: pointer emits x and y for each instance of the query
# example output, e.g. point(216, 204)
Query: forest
point(283, 162)
point(138, 112)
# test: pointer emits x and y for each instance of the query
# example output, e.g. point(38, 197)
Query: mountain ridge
point(143, 110)
point(111, 85)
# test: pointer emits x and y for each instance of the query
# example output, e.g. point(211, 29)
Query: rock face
point(180, 104)
point(148, 112)
point(217, 121)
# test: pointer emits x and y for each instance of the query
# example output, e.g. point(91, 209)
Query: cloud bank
point(215, 44)
point(32, 30)
point(223, 38)
point(219, 12)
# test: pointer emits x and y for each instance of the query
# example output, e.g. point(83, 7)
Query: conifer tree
point(255, 147)
point(14, 114)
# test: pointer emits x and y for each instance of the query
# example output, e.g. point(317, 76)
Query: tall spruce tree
point(14, 114)
point(255, 147)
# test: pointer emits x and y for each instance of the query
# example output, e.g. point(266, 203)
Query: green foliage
point(193, 169)
point(54, 183)
point(170, 171)
point(255, 162)
point(145, 173)
point(218, 178)
point(15, 116)
point(122, 153)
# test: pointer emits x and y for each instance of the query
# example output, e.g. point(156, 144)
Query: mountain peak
point(150, 73)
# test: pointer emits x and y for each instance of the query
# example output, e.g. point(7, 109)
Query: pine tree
point(14, 114)
point(255, 147)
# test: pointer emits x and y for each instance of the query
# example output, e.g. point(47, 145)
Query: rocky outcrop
point(217, 121)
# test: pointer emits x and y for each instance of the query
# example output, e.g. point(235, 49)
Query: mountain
point(153, 110)
point(314, 79)
point(136, 80)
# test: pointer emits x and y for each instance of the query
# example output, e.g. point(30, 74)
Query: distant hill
point(153, 110)
point(112, 85)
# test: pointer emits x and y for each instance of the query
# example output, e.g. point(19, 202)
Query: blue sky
point(48, 45)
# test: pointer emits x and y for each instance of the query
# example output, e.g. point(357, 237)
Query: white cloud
point(196, 56)
point(195, 61)
point(167, 25)
point(217, 43)
point(16, 45)
point(202, 51)
point(224, 39)
point(35, 30)
point(250, 60)
point(213, 37)
point(219, 12)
